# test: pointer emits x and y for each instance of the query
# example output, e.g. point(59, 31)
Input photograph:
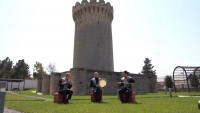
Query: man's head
point(68, 75)
point(125, 73)
point(96, 74)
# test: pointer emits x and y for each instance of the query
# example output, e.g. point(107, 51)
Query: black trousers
point(124, 91)
point(65, 93)
point(97, 95)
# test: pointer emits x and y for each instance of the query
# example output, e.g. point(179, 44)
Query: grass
point(145, 103)
point(28, 92)
point(84, 97)
point(11, 97)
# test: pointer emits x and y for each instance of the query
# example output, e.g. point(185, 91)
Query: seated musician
point(125, 83)
point(96, 89)
point(64, 88)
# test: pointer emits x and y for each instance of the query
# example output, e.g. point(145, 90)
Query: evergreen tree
point(168, 82)
point(6, 68)
point(147, 69)
point(21, 70)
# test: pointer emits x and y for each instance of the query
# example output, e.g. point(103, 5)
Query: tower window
point(98, 22)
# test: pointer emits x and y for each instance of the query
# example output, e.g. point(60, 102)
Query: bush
point(168, 82)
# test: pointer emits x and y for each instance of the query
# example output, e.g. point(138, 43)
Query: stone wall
point(46, 84)
point(142, 84)
point(111, 81)
point(81, 78)
point(55, 77)
point(39, 85)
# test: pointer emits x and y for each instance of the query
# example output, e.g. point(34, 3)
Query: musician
point(64, 88)
point(96, 89)
point(125, 83)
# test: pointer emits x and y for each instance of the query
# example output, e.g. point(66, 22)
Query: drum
point(102, 82)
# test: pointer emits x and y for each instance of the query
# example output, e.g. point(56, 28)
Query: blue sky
point(166, 31)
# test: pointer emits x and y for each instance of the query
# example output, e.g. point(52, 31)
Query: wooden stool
point(57, 98)
point(93, 99)
point(131, 98)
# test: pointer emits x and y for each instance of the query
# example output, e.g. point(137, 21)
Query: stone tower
point(93, 48)
point(93, 52)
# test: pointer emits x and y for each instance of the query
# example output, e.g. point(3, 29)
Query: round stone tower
point(93, 48)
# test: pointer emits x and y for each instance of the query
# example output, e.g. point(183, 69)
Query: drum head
point(102, 83)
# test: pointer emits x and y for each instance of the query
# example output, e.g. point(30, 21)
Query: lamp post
point(2, 95)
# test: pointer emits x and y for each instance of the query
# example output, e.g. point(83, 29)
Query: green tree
point(38, 70)
point(194, 80)
point(147, 69)
point(21, 70)
point(6, 68)
point(168, 81)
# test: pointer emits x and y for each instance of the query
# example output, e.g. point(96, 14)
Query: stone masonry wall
point(81, 78)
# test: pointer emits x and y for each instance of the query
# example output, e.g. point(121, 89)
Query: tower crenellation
point(80, 10)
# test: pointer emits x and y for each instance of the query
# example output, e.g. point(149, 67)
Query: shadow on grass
point(135, 103)
point(27, 89)
point(24, 100)
point(103, 99)
point(156, 97)
point(132, 103)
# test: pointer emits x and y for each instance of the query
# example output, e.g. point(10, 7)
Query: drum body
point(102, 82)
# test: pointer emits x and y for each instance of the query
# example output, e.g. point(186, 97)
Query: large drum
point(102, 82)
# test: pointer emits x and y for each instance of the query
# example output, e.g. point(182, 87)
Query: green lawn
point(145, 103)
point(28, 92)
point(11, 97)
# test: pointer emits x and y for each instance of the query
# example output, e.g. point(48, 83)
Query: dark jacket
point(94, 81)
point(61, 87)
point(130, 80)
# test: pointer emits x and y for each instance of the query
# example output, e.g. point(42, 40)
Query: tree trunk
point(170, 92)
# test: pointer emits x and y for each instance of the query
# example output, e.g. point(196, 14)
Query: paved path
point(6, 110)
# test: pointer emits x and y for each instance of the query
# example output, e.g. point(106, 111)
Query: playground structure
point(183, 74)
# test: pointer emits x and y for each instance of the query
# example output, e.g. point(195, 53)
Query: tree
point(194, 80)
point(51, 68)
point(38, 70)
point(168, 81)
point(6, 68)
point(147, 69)
point(21, 70)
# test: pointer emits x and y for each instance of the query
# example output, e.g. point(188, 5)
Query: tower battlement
point(92, 7)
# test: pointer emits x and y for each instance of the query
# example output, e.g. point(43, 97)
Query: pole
point(2, 95)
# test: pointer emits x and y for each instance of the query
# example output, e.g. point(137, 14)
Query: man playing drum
point(96, 89)
point(125, 83)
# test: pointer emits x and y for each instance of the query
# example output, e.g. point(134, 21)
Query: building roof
point(12, 80)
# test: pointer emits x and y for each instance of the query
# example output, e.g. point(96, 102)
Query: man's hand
point(97, 85)
point(64, 83)
point(128, 76)
point(119, 83)
point(71, 82)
